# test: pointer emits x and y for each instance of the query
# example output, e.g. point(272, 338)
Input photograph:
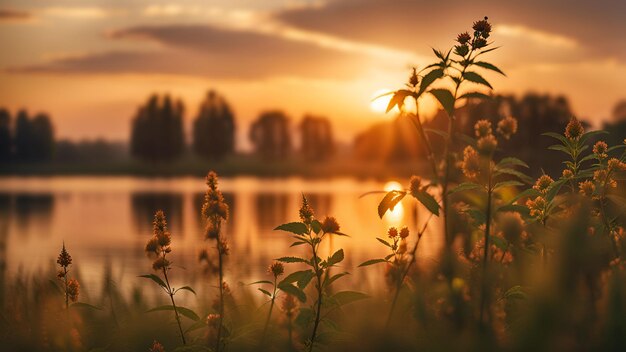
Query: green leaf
point(554, 189)
point(428, 79)
point(507, 184)
point(398, 99)
point(560, 148)
point(512, 162)
point(372, 261)
point(384, 242)
point(498, 242)
point(344, 297)
point(489, 66)
point(84, 305)
point(531, 192)
point(561, 138)
point(292, 260)
point(261, 282)
point(475, 95)
point(293, 290)
point(301, 277)
point(465, 186)
point(389, 202)
point(155, 279)
point(515, 292)
point(186, 288)
point(294, 227)
point(445, 98)
point(337, 257)
point(298, 243)
point(523, 177)
point(186, 312)
point(590, 134)
point(441, 134)
point(477, 215)
point(265, 292)
point(334, 278)
point(476, 78)
point(316, 226)
point(428, 201)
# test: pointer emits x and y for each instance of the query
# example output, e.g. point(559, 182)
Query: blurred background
point(278, 96)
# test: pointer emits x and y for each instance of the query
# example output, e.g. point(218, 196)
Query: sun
point(396, 215)
point(380, 100)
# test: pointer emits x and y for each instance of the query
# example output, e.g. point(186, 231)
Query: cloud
point(81, 13)
point(200, 50)
point(11, 16)
point(596, 27)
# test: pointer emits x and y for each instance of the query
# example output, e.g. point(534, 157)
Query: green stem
point(269, 315)
point(171, 294)
point(483, 296)
point(218, 343)
point(318, 274)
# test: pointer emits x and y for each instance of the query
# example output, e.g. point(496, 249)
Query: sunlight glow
point(379, 101)
point(394, 216)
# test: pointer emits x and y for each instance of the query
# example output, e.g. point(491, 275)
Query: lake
point(107, 220)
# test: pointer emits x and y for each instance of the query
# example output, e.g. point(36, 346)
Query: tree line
point(157, 132)
point(29, 138)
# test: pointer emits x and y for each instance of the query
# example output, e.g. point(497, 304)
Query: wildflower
point(479, 43)
point(160, 231)
point(567, 173)
point(157, 347)
point(536, 206)
point(414, 79)
point(543, 184)
point(471, 162)
point(214, 205)
point(60, 274)
point(404, 232)
point(587, 188)
point(512, 226)
point(615, 164)
point(330, 225)
point(602, 177)
point(276, 269)
point(600, 149)
point(392, 232)
point(482, 27)
point(73, 288)
point(482, 128)
point(507, 127)
point(65, 259)
point(463, 38)
point(574, 129)
point(306, 212)
point(487, 144)
point(461, 50)
point(415, 185)
point(160, 263)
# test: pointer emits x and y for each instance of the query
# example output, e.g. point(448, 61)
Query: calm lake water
point(108, 220)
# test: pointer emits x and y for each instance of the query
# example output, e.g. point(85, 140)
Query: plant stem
point(218, 343)
point(483, 296)
point(171, 294)
point(67, 302)
point(318, 274)
point(269, 315)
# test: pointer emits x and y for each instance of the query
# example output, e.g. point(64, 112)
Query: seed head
point(404, 232)
point(487, 145)
point(73, 289)
point(415, 185)
point(161, 263)
point(543, 184)
point(211, 180)
point(463, 38)
point(330, 225)
point(65, 259)
point(600, 149)
point(392, 232)
point(574, 129)
point(211, 230)
point(602, 177)
point(586, 188)
point(276, 269)
point(222, 246)
point(306, 212)
point(567, 173)
point(482, 27)
point(482, 128)
point(414, 79)
point(479, 43)
point(507, 127)
point(471, 163)
point(461, 50)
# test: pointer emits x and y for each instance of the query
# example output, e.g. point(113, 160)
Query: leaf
point(265, 292)
point(294, 291)
point(476, 95)
point(590, 134)
point(298, 243)
point(186, 312)
point(498, 242)
point(515, 292)
point(292, 260)
point(428, 79)
point(186, 288)
point(554, 189)
point(514, 208)
point(389, 201)
point(334, 278)
point(345, 297)
point(155, 279)
point(372, 261)
point(477, 215)
point(301, 277)
point(441, 134)
point(428, 201)
point(294, 227)
point(445, 98)
point(337, 257)
point(465, 186)
point(523, 177)
point(560, 148)
point(261, 282)
point(316, 226)
point(561, 138)
point(84, 305)
point(512, 161)
point(531, 192)
point(617, 200)
point(476, 78)
point(384, 242)
point(489, 66)
point(398, 99)
point(507, 184)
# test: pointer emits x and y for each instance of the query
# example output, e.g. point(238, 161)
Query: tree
point(214, 128)
point(157, 130)
point(5, 136)
point(34, 138)
point(317, 138)
point(270, 135)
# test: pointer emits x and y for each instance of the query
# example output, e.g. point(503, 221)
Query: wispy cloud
point(13, 16)
point(81, 13)
point(541, 37)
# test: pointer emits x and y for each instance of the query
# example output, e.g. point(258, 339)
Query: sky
point(91, 63)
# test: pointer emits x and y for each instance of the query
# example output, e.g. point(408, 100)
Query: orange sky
point(91, 63)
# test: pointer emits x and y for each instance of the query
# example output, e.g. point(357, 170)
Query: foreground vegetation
point(527, 263)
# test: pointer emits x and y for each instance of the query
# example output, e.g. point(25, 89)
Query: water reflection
point(33, 210)
point(145, 204)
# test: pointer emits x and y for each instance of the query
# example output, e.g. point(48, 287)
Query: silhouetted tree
point(617, 126)
point(214, 128)
point(6, 141)
point(270, 135)
point(317, 138)
point(34, 138)
point(395, 140)
point(157, 130)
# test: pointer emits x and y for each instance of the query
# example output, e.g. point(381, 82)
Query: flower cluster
point(330, 225)
point(482, 30)
point(537, 207)
point(543, 183)
point(586, 188)
point(159, 245)
point(471, 163)
point(306, 212)
point(276, 269)
point(214, 209)
point(574, 129)
point(72, 287)
point(600, 149)
point(507, 127)
point(416, 187)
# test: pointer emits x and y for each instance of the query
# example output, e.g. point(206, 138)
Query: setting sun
point(380, 100)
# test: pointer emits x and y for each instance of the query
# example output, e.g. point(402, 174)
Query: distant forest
point(157, 133)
